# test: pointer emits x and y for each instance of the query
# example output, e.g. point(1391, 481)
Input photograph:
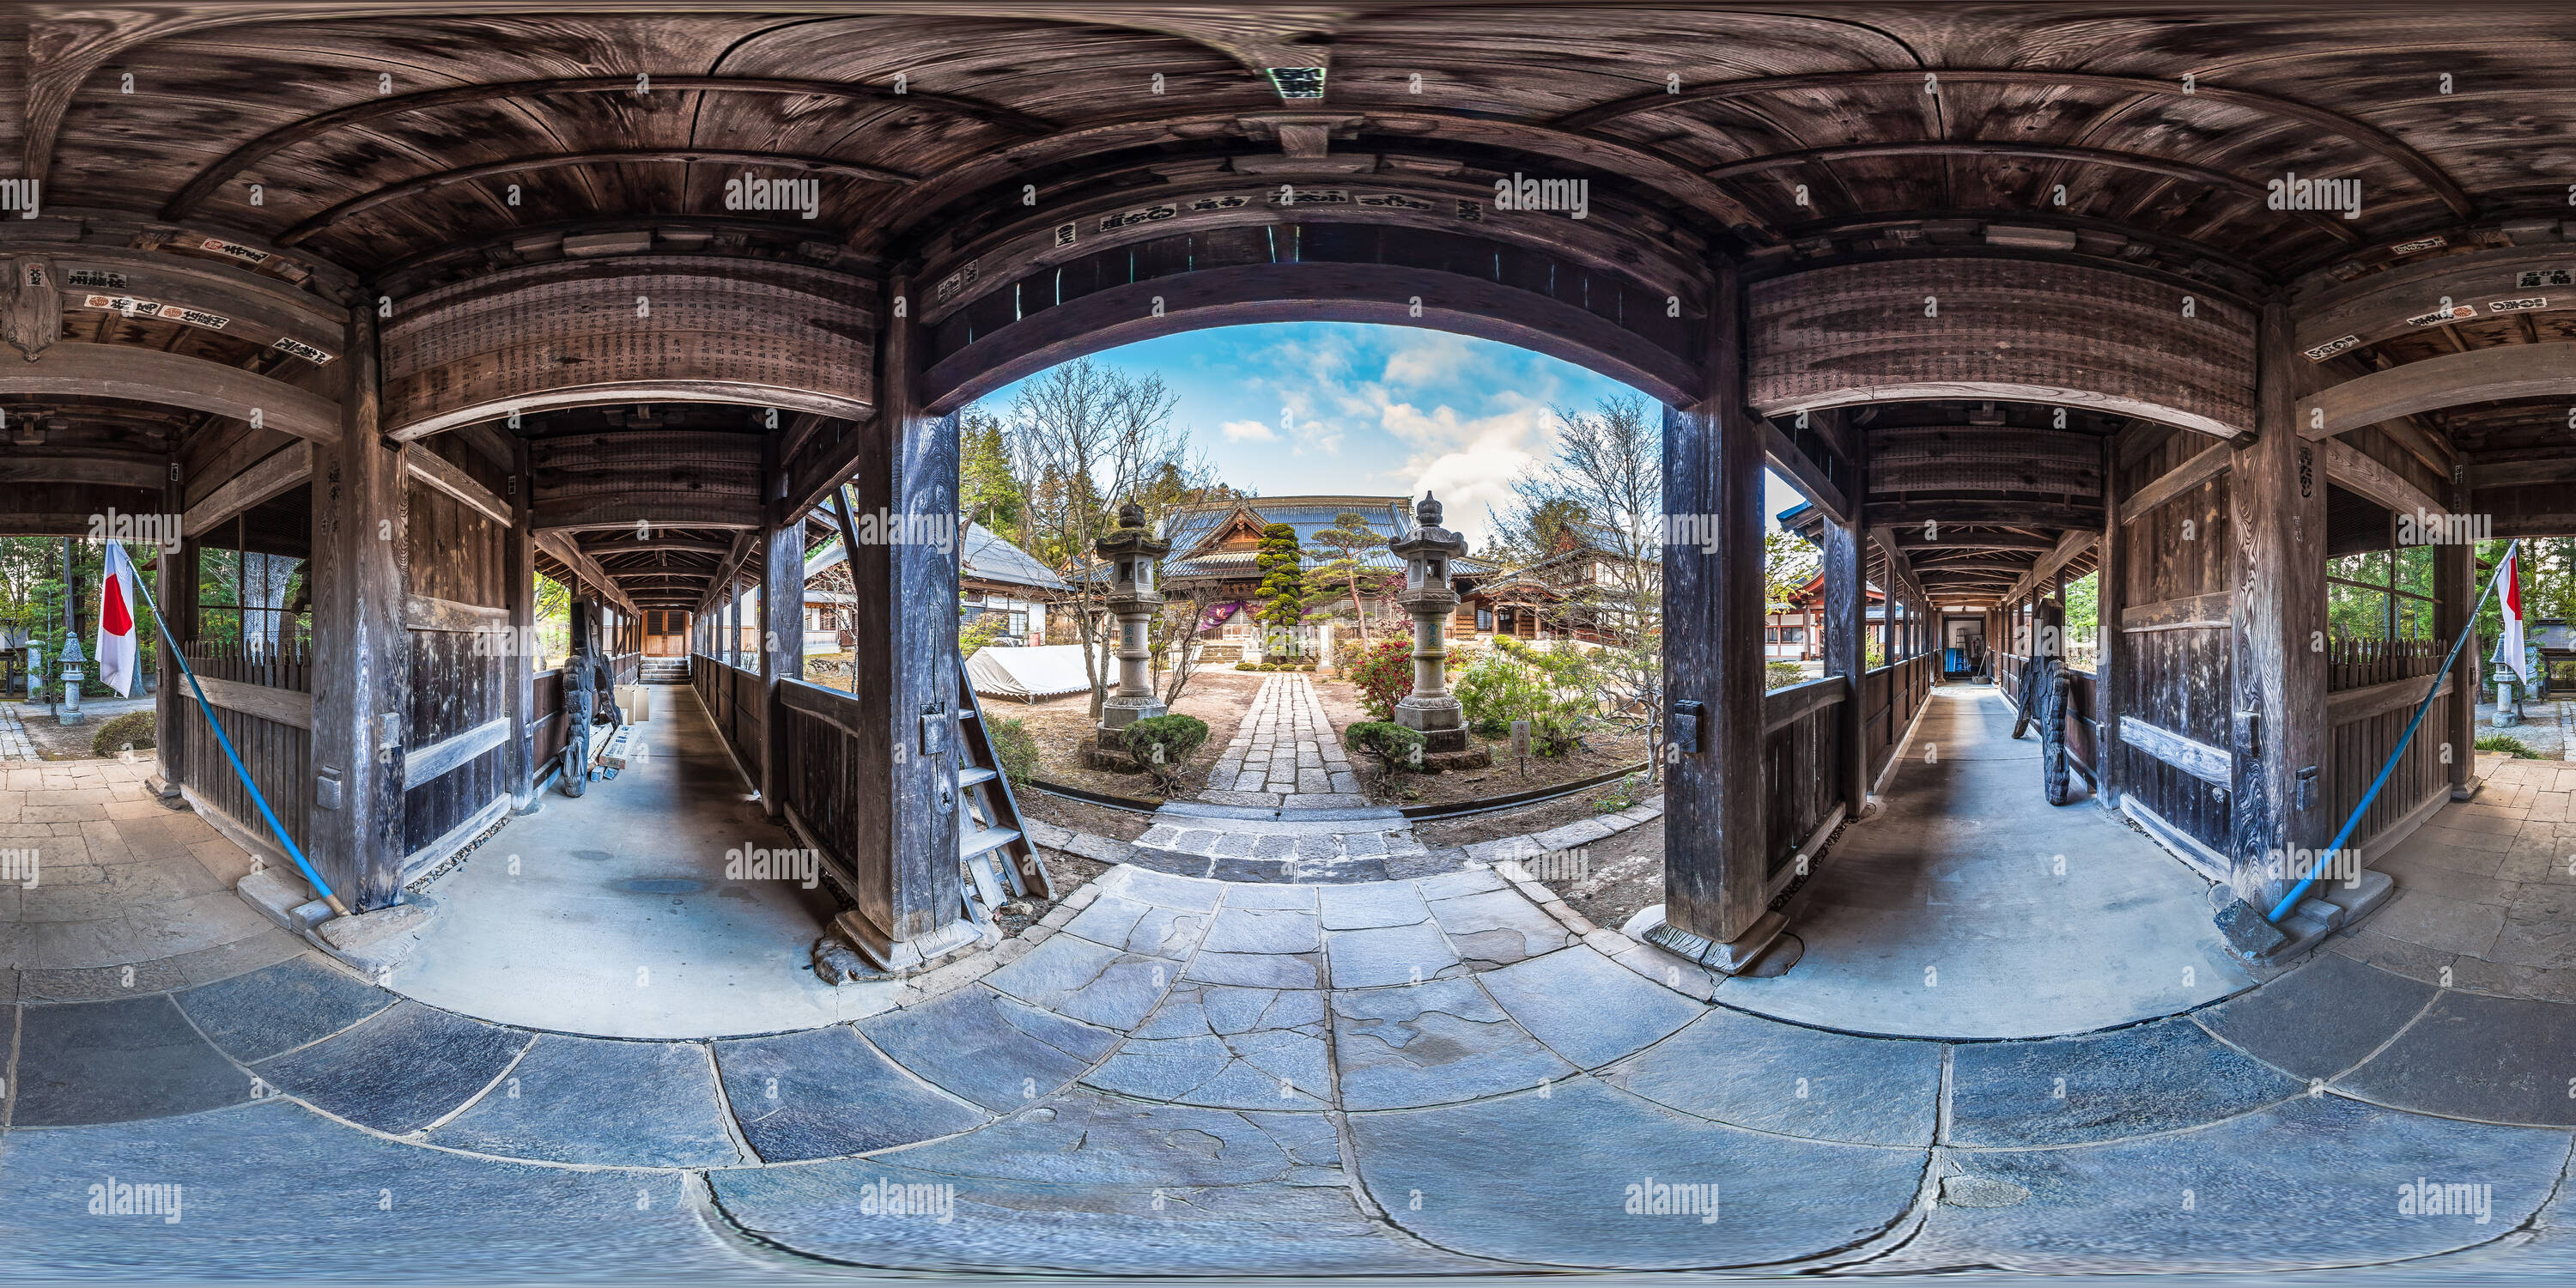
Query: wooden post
point(519, 588)
point(782, 611)
point(361, 672)
point(174, 576)
point(906, 597)
point(1846, 623)
point(2111, 662)
point(2455, 587)
point(1714, 872)
point(2278, 730)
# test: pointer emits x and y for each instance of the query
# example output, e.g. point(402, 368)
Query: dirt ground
point(1062, 725)
point(55, 741)
point(1517, 822)
point(1081, 816)
point(1619, 876)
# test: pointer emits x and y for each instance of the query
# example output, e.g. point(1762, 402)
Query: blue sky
point(1292, 408)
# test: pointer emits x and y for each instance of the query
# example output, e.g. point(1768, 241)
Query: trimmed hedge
point(1176, 736)
point(1395, 746)
point(133, 729)
point(1016, 748)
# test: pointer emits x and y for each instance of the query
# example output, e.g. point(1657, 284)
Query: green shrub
point(1554, 733)
point(1175, 736)
point(980, 630)
point(2503, 742)
point(1394, 745)
point(1497, 689)
point(1307, 667)
point(1247, 666)
point(1780, 675)
point(133, 729)
point(1385, 677)
point(1017, 749)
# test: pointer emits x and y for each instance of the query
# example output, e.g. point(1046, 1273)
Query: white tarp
point(1047, 671)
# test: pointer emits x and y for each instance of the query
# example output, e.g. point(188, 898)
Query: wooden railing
point(1889, 697)
point(733, 700)
point(265, 702)
point(627, 667)
point(545, 720)
point(1801, 765)
point(821, 782)
point(2367, 723)
point(2360, 663)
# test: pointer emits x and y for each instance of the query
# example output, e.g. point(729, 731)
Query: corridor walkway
point(630, 912)
point(1970, 907)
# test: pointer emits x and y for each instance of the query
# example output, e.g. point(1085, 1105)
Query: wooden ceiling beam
point(2381, 142)
point(638, 156)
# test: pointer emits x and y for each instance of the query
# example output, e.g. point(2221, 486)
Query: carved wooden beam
point(2451, 380)
point(77, 370)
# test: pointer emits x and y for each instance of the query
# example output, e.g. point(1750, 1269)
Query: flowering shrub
point(1384, 674)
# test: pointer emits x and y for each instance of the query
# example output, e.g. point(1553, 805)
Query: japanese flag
point(117, 596)
point(2509, 650)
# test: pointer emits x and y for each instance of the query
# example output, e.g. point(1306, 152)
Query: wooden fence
point(733, 700)
point(2359, 664)
point(1801, 765)
point(821, 779)
point(265, 701)
point(1889, 697)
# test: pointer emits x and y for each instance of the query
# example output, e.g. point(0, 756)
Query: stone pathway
point(2486, 890)
point(13, 735)
point(1449, 1075)
point(1285, 753)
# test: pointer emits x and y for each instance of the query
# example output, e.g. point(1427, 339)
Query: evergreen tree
point(1283, 583)
point(1344, 543)
point(986, 488)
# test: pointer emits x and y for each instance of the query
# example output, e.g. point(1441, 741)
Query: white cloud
point(1240, 431)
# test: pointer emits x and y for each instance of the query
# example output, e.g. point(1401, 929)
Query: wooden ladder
point(995, 856)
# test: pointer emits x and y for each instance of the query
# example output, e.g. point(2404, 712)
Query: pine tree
point(986, 488)
point(1346, 541)
point(1283, 581)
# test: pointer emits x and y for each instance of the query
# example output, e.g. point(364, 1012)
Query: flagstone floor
point(1183, 1076)
point(13, 735)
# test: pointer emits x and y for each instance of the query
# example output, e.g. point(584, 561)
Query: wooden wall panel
point(587, 331)
point(2008, 328)
point(2178, 679)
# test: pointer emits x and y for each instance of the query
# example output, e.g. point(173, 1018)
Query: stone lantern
point(1130, 553)
point(1427, 552)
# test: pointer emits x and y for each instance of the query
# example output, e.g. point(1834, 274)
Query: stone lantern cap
point(1131, 537)
point(1428, 539)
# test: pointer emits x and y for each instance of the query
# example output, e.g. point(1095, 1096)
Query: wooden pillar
point(361, 671)
point(174, 588)
point(782, 611)
point(1846, 623)
point(2112, 664)
point(519, 589)
point(906, 643)
point(2455, 587)
point(2278, 732)
point(1714, 872)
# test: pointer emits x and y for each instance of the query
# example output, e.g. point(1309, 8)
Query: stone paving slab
point(401, 1069)
point(1431, 1043)
point(1790, 1080)
point(2305, 1183)
point(1088, 981)
point(1587, 1008)
point(2151, 1078)
point(996, 1051)
point(1382, 956)
point(2493, 1059)
point(258, 1015)
point(2321, 1019)
point(602, 1102)
point(1481, 1187)
point(825, 1093)
point(273, 1191)
point(120, 1061)
point(1088, 1184)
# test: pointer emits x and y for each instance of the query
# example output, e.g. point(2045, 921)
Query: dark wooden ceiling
point(376, 135)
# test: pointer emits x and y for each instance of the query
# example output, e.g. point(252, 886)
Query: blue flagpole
point(275, 828)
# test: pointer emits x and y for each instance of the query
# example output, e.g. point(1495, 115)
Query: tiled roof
point(989, 558)
point(1187, 526)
